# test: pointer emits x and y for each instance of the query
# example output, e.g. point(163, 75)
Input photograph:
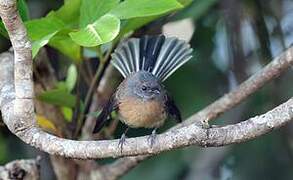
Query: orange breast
point(137, 113)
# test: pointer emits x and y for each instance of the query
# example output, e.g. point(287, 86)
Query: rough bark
point(20, 169)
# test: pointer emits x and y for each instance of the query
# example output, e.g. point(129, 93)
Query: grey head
point(145, 85)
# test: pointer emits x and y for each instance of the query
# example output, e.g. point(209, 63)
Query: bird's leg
point(152, 137)
point(122, 139)
point(205, 124)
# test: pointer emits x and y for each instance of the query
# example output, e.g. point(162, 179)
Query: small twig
point(94, 84)
point(100, 54)
point(98, 76)
point(104, 91)
point(89, 68)
point(84, 71)
point(85, 75)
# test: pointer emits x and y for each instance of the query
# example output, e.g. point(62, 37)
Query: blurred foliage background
point(232, 40)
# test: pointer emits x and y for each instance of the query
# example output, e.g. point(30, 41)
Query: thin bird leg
point(122, 140)
point(152, 137)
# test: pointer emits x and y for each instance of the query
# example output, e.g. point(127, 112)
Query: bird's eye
point(143, 88)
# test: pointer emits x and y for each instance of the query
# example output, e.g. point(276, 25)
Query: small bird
point(141, 99)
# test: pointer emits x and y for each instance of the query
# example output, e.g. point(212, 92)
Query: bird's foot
point(152, 138)
point(121, 142)
point(205, 124)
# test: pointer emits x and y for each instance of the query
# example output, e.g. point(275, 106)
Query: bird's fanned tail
point(156, 54)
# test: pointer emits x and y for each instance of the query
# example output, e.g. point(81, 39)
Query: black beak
point(156, 91)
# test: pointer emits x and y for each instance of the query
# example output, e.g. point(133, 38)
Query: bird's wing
point(172, 109)
point(103, 116)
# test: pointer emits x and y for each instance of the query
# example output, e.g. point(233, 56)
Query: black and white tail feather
point(156, 54)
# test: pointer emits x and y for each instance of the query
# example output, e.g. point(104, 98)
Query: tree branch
point(181, 137)
point(122, 166)
point(245, 89)
point(16, 101)
point(21, 169)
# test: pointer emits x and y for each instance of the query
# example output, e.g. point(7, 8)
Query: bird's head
point(145, 85)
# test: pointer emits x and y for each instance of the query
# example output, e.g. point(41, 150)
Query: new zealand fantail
point(141, 99)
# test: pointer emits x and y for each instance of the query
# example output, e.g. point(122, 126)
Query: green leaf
point(62, 42)
point(71, 77)
point(40, 31)
point(61, 85)
point(91, 10)
point(69, 12)
point(23, 10)
point(101, 31)
point(3, 31)
point(59, 96)
point(38, 44)
point(141, 8)
point(39, 28)
point(67, 113)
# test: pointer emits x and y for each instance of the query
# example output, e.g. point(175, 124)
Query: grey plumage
point(156, 54)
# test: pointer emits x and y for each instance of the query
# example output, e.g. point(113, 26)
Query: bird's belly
point(138, 113)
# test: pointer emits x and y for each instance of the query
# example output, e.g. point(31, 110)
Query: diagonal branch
point(245, 89)
point(16, 101)
point(176, 138)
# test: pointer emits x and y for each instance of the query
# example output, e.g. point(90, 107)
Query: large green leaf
point(39, 28)
point(59, 96)
point(69, 12)
point(101, 31)
point(141, 8)
point(40, 31)
point(62, 42)
point(38, 44)
point(91, 10)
